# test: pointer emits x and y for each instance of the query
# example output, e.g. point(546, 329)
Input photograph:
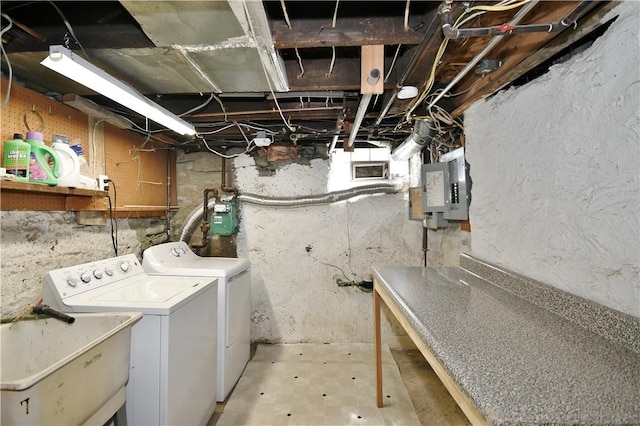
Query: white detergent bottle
point(69, 168)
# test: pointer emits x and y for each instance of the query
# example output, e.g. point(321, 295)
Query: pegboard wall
point(28, 110)
point(139, 168)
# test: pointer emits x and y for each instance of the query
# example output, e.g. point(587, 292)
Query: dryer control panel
point(77, 279)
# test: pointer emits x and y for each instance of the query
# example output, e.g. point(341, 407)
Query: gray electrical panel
point(445, 195)
point(458, 194)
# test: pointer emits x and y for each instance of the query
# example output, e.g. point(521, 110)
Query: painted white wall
point(299, 254)
point(555, 166)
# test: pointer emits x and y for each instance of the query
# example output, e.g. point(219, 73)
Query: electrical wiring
point(114, 221)
point(6, 57)
point(286, 15)
point(333, 61)
point(335, 14)
point(243, 134)
point(246, 151)
point(69, 28)
point(299, 63)
point(430, 80)
point(212, 132)
point(482, 9)
point(406, 15)
point(196, 108)
point(501, 6)
point(333, 48)
point(393, 62)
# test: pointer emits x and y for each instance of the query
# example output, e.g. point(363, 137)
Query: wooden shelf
point(32, 196)
point(8, 185)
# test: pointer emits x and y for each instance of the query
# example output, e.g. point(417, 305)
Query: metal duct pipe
point(495, 40)
point(300, 201)
point(311, 200)
point(423, 132)
point(506, 29)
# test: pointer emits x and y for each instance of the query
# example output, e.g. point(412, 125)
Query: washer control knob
point(97, 273)
point(124, 266)
point(108, 270)
point(72, 282)
point(85, 277)
point(174, 251)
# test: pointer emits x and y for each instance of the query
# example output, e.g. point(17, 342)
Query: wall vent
point(369, 170)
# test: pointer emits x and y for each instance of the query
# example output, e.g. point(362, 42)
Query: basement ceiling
point(291, 68)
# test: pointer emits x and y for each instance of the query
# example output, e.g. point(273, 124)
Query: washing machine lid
point(177, 259)
point(208, 267)
point(155, 295)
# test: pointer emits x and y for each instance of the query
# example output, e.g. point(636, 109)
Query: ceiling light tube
point(65, 62)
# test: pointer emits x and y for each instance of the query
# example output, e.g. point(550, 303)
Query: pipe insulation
point(296, 201)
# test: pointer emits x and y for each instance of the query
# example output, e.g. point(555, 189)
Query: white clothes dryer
point(234, 302)
point(173, 354)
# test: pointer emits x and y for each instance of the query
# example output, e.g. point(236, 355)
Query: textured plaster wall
point(299, 254)
point(445, 246)
point(556, 164)
point(33, 243)
point(195, 172)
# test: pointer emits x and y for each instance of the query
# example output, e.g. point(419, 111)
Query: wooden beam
point(372, 70)
point(348, 32)
point(344, 76)
point(320, 113)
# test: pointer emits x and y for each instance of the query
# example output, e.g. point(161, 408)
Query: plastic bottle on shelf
point(69, 169)
point(85, 179)
point(16, 158)
point(43, 161)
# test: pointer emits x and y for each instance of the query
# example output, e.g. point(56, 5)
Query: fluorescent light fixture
point(65, 62)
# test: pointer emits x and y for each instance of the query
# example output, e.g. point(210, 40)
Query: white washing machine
point(172, 378)
point(234, 301)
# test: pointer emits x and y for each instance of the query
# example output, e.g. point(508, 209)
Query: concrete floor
point(431, 401)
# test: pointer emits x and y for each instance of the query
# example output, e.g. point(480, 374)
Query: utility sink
point(54, 373)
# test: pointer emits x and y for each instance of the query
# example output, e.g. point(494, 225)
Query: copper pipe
point(223, 185)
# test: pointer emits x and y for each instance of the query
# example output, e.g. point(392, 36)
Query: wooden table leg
point(377, 344)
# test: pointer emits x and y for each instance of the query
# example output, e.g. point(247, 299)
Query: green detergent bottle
point(16, 158)
point(43, 163)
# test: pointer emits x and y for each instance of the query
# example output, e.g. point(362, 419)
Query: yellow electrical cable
point(499, 8)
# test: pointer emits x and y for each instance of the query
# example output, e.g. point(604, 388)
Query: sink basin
point(54, 373)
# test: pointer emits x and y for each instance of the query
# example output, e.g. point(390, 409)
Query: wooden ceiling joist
point(347, 32)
